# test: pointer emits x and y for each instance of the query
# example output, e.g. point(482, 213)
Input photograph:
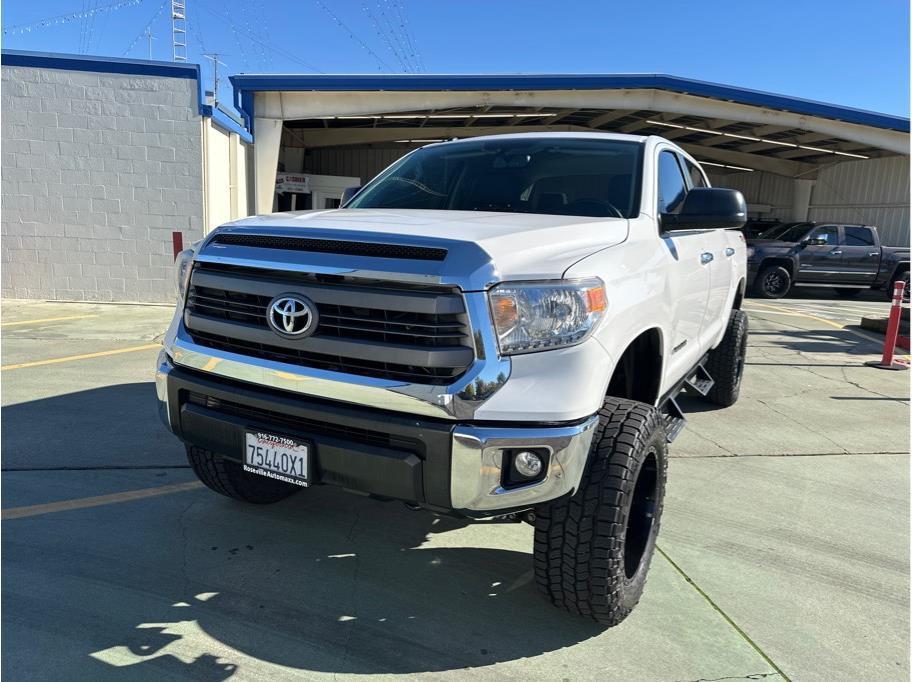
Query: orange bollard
point(887, 361)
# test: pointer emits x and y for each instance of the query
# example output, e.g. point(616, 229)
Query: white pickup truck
point(492, 327)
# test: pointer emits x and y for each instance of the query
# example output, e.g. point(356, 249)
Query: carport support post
point(266, 161)
point(801, 203)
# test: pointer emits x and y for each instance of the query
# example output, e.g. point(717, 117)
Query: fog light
point(527, 464)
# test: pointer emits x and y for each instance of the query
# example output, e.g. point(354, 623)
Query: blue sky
point(841, 51)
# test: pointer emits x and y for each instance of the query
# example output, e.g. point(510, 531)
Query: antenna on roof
point(214, 58)
point(148, 35)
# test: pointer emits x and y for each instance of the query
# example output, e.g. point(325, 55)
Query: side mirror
point(708, 208)
point(815, 241)
point(348, 194)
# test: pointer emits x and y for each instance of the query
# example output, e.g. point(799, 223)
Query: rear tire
point(593, 549)
point(725, 363)
point(904, 277)
point(774, 281)
point(228, 478)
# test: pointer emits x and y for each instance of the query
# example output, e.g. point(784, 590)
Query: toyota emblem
point(292, 316)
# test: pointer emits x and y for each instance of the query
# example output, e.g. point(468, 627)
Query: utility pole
point(214, 58)
point(179, 30)
point(149, 37)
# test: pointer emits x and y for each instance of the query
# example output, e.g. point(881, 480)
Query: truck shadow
point(195, 585)
point(335, 583)
point(851, 341)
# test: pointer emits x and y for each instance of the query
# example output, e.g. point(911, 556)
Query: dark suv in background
point(847, 258)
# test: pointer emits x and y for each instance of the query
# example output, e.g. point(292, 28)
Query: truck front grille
point(418, 335)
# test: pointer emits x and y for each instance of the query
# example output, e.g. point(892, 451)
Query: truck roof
point(564, 135)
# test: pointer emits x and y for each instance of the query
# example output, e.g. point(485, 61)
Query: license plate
point(278, 457)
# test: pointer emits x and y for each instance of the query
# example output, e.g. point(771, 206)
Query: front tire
point(774, 281)
point(725, 363)
point(593, 549)
point(228, 478)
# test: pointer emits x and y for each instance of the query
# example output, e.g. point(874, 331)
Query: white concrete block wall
point(97, 170)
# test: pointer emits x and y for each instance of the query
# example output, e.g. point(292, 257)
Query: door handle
point(705, 258)
point(835, 253)
point(729, 251)
point(874, 253)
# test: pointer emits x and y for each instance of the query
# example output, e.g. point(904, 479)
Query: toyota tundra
point(492, 327)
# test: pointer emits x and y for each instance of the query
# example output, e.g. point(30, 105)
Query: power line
point(284, 53)
point(142, 33)
point(101, 32)
point(403, 20)
point(384, 7)
point(90, 31)
point(383, 35)
point(351, 34)
point(60, 19)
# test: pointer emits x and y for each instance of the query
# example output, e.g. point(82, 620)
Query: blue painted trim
point(246, 84)
point(81, 62)
point(222, 120)
point(132, 67)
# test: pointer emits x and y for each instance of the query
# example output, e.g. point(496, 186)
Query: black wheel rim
point(773, 284)
point(641, 517)
point(906, 290)
point(739, 360)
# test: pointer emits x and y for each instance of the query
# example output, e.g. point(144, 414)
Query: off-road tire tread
point(578, 551)
point(229, 479)
point(722, 360)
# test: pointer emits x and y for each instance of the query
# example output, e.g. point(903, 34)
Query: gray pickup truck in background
point(847, 258)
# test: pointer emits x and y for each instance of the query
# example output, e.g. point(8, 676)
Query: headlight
point(532, 316)
point(182, 267)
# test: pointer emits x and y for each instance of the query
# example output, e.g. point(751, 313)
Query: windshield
point(775, 231)
point(795, 233)
point(557, 176)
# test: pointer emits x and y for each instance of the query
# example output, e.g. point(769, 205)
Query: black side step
point(674, 419)
point(700, 381)
point(697, 380)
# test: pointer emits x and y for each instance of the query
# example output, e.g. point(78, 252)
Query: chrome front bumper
point(476, 456)
point(477, 464)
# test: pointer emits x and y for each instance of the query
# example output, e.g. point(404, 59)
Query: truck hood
point(520, 245)
point(771, 244)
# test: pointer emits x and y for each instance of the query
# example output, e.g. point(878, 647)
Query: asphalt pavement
point(784, 550)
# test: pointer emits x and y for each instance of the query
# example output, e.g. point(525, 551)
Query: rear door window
point(858, 236)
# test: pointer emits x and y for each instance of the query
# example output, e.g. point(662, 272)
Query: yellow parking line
point(835, 325)
point(773, 312)
point(86, 356)
point(46, 319)
point(85, 502)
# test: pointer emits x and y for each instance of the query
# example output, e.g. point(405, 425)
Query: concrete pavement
point(785, 540)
